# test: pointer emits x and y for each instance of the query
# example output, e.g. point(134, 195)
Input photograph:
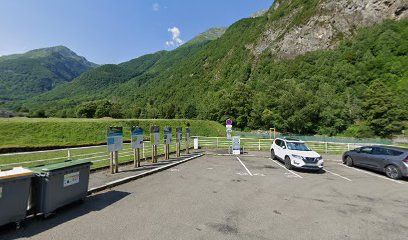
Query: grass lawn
point(29, 132)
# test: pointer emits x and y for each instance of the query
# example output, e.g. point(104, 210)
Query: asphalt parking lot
point(245, 197)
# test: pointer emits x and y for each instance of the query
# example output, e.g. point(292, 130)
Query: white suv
point(295, 153)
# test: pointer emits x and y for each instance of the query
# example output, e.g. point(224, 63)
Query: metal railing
point(100, 156)
point(96, 154)
point(255, 144)
point(346, 140)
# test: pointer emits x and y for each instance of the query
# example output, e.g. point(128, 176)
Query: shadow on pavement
point(404, 179)
point(35, 225)
point(309, 171)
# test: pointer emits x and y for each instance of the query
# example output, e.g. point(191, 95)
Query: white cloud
point(175, 35)
point(169, 43)
point(156, 7)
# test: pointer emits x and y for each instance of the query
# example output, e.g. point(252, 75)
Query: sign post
point(228, 125)
point(115, 143)
point(179, 138)
point(274, 133)
point(167, 141)
point(137, 144)
point(154, 139)
point(188, 140)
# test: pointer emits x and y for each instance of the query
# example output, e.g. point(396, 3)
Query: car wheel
point(288, 164)
point(349, 161)
point(273, 156)
point(393, 172)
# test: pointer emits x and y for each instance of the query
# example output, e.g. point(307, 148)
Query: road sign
point(168, 135)
point(155, 135)
point(115, 139)
point(137, 137)
point(228, 122)
point(236, 145)
point(229, 128)
point(179, 134)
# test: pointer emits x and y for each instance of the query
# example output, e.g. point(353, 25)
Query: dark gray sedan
point(393, 161)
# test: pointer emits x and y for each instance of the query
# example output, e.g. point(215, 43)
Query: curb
point(145, 174)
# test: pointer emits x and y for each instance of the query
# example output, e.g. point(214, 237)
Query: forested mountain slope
point(325, 67)
point(37, 71)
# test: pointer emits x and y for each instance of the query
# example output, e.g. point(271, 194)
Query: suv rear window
point(282, 144)
point(393, 152)
point(380, 151)
point(386, 151)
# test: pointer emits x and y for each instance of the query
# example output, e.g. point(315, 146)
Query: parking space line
point(297, 175)
point(372, 174)
point(338, 175)
point(245, 167)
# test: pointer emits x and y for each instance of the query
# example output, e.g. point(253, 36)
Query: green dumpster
point(57, 185)
point(14, 194)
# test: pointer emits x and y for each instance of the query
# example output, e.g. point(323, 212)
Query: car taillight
point(405, 160)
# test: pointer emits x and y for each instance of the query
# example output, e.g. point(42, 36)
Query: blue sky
point(113, 31)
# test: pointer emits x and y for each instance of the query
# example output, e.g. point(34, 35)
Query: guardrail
point(265, 144)
point(96, 154)
point(100, 156)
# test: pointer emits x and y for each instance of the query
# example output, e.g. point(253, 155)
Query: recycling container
point(14, 194)
point(57, 185)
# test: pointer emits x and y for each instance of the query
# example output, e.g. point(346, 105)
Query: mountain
point(209, 35)
point(38, 71)
point(309, 67)
point(102, 82)
point(300, 26)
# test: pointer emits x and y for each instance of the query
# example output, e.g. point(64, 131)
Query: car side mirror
point(284, 147)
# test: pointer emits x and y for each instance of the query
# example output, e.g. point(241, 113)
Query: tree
point(86, 110)
point(103, 109)
point(190, 112)
point(381, 109)
point(38, 114)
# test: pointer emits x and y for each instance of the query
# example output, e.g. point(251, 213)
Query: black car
point(393, 161)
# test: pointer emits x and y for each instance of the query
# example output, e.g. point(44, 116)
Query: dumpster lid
point(15, 172)
point(62, 165)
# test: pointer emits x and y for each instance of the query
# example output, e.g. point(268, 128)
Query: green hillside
point(32, 73)
point(210, 34)
point(29, 132)
point(358, 88)
point(112, 82)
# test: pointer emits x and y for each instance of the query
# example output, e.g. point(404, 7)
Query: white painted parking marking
point(259, 174)
point(297, 175)
point(372, 174)
point(244, 166)
point(338, 175)
point(242, 174)
point(332, 160)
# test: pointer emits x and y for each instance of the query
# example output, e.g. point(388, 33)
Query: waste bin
point(57, 185)
point(14, 194)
